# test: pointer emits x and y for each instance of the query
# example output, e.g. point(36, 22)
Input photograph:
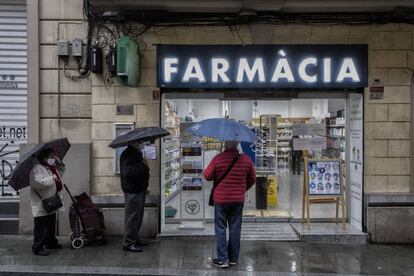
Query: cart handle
point(67, 190)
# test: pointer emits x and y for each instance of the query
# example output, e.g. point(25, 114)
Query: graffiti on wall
point(10, 138)
point(6, 167)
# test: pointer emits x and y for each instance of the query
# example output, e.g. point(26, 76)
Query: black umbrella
point(139, 135)
point(21, 174)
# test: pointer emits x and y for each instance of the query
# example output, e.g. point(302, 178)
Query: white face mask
point(51, 161)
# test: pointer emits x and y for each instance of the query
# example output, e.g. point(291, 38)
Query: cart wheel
point(77, 243)
point(71, 236)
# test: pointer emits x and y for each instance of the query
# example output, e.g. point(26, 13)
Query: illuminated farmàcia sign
point(262, 66)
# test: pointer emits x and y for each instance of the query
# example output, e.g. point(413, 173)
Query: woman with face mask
point(45, 182)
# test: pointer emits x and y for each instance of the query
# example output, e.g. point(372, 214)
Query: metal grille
point(13, 88)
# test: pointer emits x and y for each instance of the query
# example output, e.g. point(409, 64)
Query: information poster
point(324, 177)
point(303, 129)
point(316, 143)
point(356, 158)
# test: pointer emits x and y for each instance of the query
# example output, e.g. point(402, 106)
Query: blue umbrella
point(223, 130)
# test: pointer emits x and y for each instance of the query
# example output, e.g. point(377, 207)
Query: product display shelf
point(191, 170)
point(338, 126)
point(284, 138)
point(283, 146)
point(335, 134)
point(171, 162)
point(266, 149)
point(336, 148)
point(172, 194)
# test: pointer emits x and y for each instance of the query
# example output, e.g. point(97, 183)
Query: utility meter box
point(127, 61)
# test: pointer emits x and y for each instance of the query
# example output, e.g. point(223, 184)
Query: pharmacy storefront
point(305, 105)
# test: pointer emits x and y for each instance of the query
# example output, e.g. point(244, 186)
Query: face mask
point(51, 161)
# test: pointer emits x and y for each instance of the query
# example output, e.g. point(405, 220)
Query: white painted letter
point(250, 72)
point(348, 70)
point(326, 70)
point(193, 65)
point(283, 65)
point(302, 69)
point(169, 69)
point(217, 71)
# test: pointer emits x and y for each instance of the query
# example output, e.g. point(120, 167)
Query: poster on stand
point(324, 177)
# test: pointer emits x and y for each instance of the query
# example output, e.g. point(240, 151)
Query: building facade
point(84, 109)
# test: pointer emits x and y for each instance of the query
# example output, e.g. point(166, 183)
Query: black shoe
point(220, 264)
point(54, 246)
point(140, 243)
point(233, 263)
point(132, 248)
point(41, 252)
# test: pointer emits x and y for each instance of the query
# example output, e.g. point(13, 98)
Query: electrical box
point(127, 61)
point(111, 60)
point(63, 48)
point(77, 47)
point(96, 59)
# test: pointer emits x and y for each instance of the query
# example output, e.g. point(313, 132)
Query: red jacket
point(238, 180)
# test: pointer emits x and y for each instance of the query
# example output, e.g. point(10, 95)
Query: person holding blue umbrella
point(233, 174)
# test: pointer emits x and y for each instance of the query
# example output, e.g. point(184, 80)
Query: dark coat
point(294, 153)
point(134, 172)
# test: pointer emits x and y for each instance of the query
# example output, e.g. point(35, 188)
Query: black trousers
point(295, 164)
point(134, 213)
point(44, 232)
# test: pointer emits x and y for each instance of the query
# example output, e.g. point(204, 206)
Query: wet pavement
point(168, 256)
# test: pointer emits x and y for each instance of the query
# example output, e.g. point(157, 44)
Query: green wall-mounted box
point(127, 62)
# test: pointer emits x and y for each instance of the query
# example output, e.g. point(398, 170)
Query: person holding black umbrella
point(40, 168)
point(134, 181)
point(45, 183)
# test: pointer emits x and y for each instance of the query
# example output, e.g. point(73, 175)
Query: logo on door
point(192, 207)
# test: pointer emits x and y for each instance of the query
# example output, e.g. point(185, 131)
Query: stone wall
point(88, 105)
point(387, 122)
point(75, 95)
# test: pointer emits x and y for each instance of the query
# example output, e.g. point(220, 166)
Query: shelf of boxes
point(172, 153)
point(283, 145)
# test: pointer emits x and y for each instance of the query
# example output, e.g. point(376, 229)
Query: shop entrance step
point(330, 233)
point(279, 231)
point(268, 232)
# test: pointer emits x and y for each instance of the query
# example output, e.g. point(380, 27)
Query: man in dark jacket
point(229, 198)
point(134, 181)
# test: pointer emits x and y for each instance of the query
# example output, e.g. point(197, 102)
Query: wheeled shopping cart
point(86, 221)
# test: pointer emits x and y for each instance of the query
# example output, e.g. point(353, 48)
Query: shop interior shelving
point(172, 156)
point(335, 135)
point(191, 169)
point(284, 139)
point(266, 154)
point(284, 135)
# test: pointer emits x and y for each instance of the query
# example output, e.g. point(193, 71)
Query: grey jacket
point(41, 181)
